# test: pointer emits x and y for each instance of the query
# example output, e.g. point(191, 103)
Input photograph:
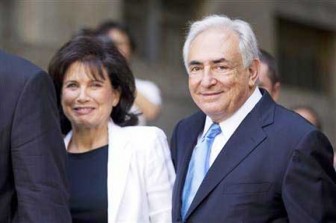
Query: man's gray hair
point(248, 45)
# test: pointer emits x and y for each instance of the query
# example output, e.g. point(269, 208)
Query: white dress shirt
point(230, 125)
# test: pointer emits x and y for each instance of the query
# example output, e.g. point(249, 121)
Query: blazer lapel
point(119, 156)
point(118, 167)
point(246, 139)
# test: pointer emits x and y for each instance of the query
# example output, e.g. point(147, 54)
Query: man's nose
point(208, 77)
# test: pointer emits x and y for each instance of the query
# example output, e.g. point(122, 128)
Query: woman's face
point(87, 102)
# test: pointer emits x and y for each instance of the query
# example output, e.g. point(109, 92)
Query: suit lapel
point(187, 144)
point(118, 167)
point(246, 138)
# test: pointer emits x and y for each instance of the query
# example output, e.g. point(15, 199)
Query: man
point(266, 164)
point(32, 154)
point(268, 74)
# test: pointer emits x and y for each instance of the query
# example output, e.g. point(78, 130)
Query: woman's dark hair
point(105, 27)
point(98, 54)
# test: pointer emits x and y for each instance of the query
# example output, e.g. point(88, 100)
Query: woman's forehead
point(89, 70)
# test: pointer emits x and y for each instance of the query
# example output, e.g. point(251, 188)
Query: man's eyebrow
point(220, 60)
point(216, 61)
point(194, 62)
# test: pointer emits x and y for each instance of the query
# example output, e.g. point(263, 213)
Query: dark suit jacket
point(276, 167)
point(32, 154)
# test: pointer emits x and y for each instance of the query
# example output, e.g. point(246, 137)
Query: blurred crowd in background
point(300, 35)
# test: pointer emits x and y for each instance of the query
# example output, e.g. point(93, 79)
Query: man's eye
point(221, 68)
point(195, 69)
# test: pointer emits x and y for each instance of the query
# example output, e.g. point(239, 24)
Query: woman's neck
point(86, 139)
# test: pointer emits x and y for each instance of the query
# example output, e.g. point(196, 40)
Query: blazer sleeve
point(39, 155)
point(309, 186)
point(160, 179)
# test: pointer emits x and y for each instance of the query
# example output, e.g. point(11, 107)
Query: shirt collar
point(231, 124)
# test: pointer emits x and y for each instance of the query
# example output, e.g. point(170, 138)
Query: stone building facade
point(300, 33)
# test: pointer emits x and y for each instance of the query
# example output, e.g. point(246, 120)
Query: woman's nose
point(82, 95)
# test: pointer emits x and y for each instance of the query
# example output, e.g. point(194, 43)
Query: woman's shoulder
point(137, 135)
point(147, 142)
point(143, 132)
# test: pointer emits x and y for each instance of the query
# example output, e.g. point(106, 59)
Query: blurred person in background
point(118, 172)
point(309, 114)
point(242, 157)
point(148, 96)
point(33, 182)
point(269, 78)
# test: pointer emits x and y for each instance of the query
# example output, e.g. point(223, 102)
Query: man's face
point(266, 83)
point(218, 82)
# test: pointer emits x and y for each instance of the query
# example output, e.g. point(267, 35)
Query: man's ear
point(276, 91)
point(253, 72)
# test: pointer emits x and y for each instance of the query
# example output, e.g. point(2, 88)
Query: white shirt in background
point(151, 91)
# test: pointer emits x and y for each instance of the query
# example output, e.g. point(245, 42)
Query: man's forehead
point(214, 40)
point(215, 33)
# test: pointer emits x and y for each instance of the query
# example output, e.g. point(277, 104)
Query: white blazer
point(140, 174)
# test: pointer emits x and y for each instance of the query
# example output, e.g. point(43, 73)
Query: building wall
point(38, 28)
point(35, 29)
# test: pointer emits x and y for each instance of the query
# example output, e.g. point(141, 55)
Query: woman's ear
point(115, 97)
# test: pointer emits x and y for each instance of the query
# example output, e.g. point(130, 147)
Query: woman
point(119, 173)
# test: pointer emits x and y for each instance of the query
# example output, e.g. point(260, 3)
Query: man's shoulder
point(290, 123)
point(191, 123)
point(280, 117)
point(197, 116)
point(284, 114)
point(12, 66)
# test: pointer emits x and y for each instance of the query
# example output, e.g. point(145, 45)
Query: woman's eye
point(71, 85)
point(96, 84)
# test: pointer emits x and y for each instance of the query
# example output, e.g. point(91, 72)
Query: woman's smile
point(83, 110)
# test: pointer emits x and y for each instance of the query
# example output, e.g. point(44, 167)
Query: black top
point(88, 185)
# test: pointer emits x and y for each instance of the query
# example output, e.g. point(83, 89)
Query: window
point(304, 54)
